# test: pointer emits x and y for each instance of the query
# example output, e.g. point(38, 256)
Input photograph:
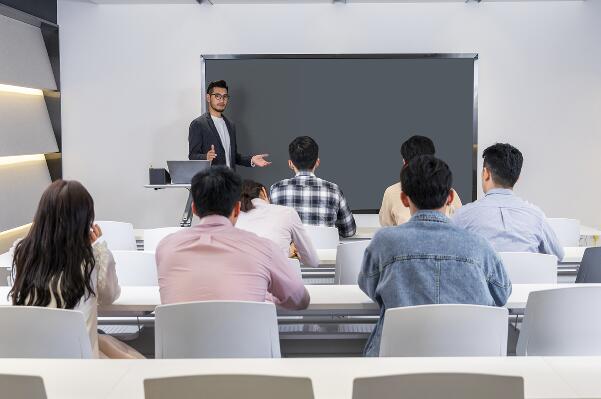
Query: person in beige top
point(63, 263)
point(392, 211)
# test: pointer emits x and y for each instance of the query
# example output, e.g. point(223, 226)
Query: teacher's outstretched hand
point(259, 160)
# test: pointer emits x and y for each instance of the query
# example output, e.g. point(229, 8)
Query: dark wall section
point(43, 9)
point(359, 110)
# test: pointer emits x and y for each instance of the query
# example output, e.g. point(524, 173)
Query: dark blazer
point(203, 134)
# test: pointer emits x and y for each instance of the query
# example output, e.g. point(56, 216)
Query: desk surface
point(325, 299)
point(544, 377)
point(327, 257)
point(170, 185)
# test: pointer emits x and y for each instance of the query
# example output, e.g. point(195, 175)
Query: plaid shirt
point(317, 201)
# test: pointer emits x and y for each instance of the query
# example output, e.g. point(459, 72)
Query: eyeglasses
point(220, 97)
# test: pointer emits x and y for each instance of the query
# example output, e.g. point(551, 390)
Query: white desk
point(544, 377)
point(572, 255)
point(325, 300)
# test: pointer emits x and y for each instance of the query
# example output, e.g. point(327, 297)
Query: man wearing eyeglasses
point(213, 137)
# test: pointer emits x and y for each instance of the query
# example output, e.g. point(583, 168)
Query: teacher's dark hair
point(215, 191)
point(218, 83)
point(415, 146)
point(504, 162)
point(303, 152)
point(55, 260)
point(427, 181)
point(250, 190)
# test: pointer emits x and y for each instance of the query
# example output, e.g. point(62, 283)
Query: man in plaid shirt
point(317, 201)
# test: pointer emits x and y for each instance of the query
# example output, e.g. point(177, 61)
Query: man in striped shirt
point(317, 201)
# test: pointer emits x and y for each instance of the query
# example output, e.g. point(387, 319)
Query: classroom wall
point(131, 80)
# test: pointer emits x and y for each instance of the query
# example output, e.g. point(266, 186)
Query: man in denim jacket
point(429, 260)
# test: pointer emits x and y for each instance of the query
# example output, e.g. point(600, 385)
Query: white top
point(106, 287)
point(281, 225)
point(224, 135)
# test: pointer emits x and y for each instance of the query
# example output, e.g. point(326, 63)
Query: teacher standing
point(213, 137)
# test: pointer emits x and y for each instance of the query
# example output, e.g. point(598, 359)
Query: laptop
point(182, 172)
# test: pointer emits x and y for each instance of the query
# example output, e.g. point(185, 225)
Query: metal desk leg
point(187, 216)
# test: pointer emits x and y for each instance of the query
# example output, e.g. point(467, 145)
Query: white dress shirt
point(281, 225)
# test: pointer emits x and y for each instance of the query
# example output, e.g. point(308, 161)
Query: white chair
point(323, 237)
point(566, 230)
point(439, 385)
point(34, 332)
point(295, 264)
point(349, 258)
point(136, 268)
point(228, 387)
point(530, 268)
point(22, 387)
point(216, 329)
point(445, 330)
point(152, 237)
point(118, 235)
point(562, 322)
point(6, 260)
point(365, 220)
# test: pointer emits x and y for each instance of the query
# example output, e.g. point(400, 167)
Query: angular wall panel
point(25, 127)
point(21, 185)
point(23, 55)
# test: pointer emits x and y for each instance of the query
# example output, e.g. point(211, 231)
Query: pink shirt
point(216, 261)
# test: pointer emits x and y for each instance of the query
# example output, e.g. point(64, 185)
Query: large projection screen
point(359, 109)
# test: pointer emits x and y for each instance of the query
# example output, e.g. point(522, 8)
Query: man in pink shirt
point(216, 261)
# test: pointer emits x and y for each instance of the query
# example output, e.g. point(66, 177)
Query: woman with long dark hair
point(280, 224)
point(61, 263)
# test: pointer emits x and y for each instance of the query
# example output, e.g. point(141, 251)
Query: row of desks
point(334, 300)
point(544, 377)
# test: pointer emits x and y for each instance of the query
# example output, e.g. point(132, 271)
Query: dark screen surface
point(359, 110)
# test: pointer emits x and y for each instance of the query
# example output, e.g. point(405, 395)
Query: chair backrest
point(444, 330)
point(228, 387)
point(136, 268)
point(367, 220)
point(22, 387)
point(295, 264)
point(439, 385)
point(566, 230)
point(562, 322)
point(349, 258)
point(36, 332)
point(6, 260)
point(590, 266)
point(323, 237)
point(530, 268)
point(119, 236)
point(152, 237)
point(216, 329)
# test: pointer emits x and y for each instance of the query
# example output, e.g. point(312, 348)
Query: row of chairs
point(563, 321)
point(120, 235)
point(405, 386)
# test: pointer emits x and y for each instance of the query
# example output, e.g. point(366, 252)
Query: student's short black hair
point(427, 180)
point(303, 152)
point(415, 146)
point(215, 191)
point(504, 162)
point(218, 83)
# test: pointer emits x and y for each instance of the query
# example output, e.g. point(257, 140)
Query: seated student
point(216, 261)
point(62, 263)
point(280, 224)
point(429, 260)
point(317, 201)
point(392, 211)
point(508, 222)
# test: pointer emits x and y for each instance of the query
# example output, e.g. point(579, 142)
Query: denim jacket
point(430, 260)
